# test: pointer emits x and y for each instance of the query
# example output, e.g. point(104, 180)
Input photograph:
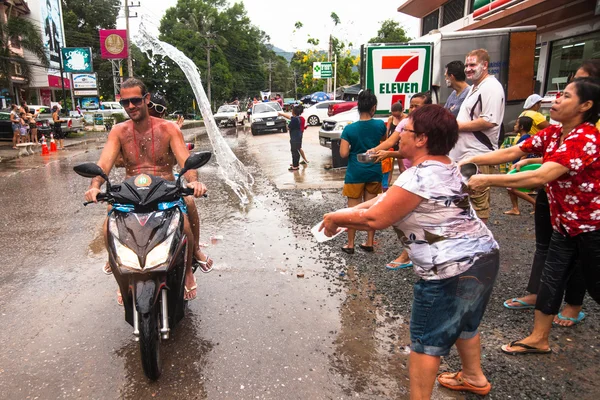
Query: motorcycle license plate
point(270, 123)
point(323, 142)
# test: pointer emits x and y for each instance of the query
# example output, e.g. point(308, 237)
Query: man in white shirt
point(479, 121)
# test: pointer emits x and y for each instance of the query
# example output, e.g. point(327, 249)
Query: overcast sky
point(359, 23)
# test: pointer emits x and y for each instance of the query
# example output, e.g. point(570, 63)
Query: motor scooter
point(147, 251)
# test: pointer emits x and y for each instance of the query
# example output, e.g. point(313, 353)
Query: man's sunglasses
point(136, 101)
point(159, 108)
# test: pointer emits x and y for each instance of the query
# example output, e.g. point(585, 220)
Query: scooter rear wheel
point(150, 344)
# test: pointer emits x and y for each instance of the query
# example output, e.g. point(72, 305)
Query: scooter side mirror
point(90, 170)
point(195, 161)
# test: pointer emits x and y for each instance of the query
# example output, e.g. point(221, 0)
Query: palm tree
point(17, 31)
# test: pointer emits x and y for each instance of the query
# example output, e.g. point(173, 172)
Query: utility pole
point(129, 60)
point(270, 67)
point(208, 47)
point(295, 85)
point(329, 59)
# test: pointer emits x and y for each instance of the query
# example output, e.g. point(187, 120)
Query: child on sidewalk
point(522, 129)
point(295, 136)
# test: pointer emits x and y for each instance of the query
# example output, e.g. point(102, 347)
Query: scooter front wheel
point(150, 344)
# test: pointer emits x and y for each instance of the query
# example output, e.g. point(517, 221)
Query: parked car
point(230, 115)
point(109, 108)
point(313, 115)
point(265, 117)
point(332, 127)
point(71, 124)
point(337, 108)
point(178, 113)
point(6, 131)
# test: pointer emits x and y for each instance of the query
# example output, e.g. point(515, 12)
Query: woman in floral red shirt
point(571, 173)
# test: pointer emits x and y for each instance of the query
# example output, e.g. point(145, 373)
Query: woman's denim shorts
point(450, 309)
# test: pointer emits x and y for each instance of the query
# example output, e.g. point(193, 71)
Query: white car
point(230, 114)
point(332, 127)
point(265, 117)
point(72, 123)
point(313, 115)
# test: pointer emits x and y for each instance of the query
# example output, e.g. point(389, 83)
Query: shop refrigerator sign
point(84, 81)
point(77, 59)
point(52, 37)
point(396, 73)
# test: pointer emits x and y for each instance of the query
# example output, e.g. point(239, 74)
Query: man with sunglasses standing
point(147, 145)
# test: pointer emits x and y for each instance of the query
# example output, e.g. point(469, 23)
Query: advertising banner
point(84, 81)
point(77, 59)
point(52, 37)
point(395, 73)
point(55, 82)
point(90, 92)
point(322, 70)
point(89, 103)
point(113, 43)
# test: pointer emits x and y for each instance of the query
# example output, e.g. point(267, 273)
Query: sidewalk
point(82, 137)
point(8, 153)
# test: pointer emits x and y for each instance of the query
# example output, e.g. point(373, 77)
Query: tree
point(82, 20)
point(18, 32)
point(390, 32)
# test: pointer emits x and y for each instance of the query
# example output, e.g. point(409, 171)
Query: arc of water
point(231, 169)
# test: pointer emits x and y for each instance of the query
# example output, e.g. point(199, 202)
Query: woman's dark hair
point(426, 96)
point(591, 67)
point(397, 106)
point(526, 123)
point(457, 69)
point(438, 125)
point(366, 101)
point(589, 89)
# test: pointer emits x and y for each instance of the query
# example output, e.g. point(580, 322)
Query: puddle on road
point(370, 348)
point(185, 360)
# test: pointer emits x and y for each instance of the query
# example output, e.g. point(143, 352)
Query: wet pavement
point(256, 330)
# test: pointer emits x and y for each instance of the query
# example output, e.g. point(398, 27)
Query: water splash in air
point(230, 168)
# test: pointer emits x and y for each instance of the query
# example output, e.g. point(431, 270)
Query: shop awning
point(420, 8)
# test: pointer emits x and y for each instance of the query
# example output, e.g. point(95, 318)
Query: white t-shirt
point(484, 101)
point(443, 235)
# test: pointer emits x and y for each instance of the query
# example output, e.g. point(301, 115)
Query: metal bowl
point(366, 158)
point(468, 170)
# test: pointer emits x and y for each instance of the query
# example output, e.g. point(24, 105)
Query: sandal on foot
point(348, 250)
point(368, 249)
point(205, 266)
point(575, 321)
point(106, 268)
point(522, 305)
point(527, 349)
point(189, 290)
point(119, 298)
point(393, 265)
point(293, 168)
point(463, 385)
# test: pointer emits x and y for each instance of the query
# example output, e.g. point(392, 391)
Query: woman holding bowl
point(452, 251)
point(571, 173)
point(363, 180)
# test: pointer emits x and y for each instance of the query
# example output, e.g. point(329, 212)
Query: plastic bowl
point(528, 167)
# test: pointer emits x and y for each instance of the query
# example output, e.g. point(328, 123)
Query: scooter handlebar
point(99, 197)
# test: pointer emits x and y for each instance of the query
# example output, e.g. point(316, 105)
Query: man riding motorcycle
point(153, 146)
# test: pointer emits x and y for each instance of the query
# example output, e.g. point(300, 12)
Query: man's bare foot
point(568, 312)
point(203, 262)
point(107, 269)
point(119, 298)
point(529, 299)
point(512, 212)
point(190, 286)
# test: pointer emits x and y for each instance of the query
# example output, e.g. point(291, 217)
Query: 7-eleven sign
point(397, 72)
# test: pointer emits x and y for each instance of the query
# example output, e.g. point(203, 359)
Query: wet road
point(255, 331)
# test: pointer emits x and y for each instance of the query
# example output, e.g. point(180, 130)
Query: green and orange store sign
point(395, 73)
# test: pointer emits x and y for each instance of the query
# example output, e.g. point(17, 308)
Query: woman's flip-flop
point(205, 266)
point(394, 265)
point(575, 321)
point(522, 305)
point(527, 349)
point(463, 386)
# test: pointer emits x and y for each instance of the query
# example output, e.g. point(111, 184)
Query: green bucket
point(529, 167)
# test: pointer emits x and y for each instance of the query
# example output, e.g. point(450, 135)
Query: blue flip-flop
point(575, 321)
point(522, 306)
point(394, 265)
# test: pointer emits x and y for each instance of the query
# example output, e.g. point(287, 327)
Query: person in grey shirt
point(456, 79)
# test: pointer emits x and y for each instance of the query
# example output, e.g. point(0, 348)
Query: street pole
point(208, 47)
point(334, 76)
point(129, 60)
point(329, 60)
point(62, 82)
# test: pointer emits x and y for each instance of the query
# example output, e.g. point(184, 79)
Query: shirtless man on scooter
point(153, 146)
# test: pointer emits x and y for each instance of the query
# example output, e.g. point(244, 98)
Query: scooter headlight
point(173, 224)
point(160, 254)
point(127, 257)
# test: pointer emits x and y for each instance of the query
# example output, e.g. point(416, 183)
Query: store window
point(453, 11)
point(567, 55)
point(430, 22)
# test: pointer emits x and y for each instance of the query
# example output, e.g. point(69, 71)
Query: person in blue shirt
point(363, 180)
